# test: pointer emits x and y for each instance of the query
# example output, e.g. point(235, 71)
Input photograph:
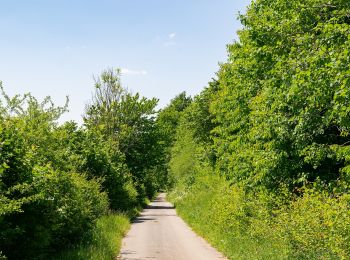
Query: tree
point(168, 118)
point(282, 111)
point(129, 120)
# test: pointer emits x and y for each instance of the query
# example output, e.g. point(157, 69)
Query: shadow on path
point(159, 207)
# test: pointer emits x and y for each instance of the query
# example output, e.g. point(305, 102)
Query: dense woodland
point(258, 163)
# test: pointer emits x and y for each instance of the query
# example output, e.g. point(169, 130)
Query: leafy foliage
point(167, 122)
point(41, 204)
point(261, 157)
point(168, 118)
point(279, 107)
point(57, 181)
point(105, 242)
point(128, 121)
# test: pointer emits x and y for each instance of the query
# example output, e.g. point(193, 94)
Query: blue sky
point(163, 47)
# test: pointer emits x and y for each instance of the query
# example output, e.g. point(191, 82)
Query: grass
point(241, 226)
point(106, 238)
point(203, 210)
point(105, 242)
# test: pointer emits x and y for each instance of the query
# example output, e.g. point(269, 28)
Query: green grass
point(204, 209)
point(241, 226)
point(105, 242)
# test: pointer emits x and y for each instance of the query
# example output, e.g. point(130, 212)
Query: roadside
point(105, 240)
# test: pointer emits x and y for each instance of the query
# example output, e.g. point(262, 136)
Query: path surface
point(158, 233)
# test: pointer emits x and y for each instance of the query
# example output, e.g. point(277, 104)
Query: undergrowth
point(105, 241)
point(246, 226)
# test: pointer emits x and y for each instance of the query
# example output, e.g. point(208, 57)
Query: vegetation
point(105, 242)
point(258, 163)
point(261, 156)
point(57, 182)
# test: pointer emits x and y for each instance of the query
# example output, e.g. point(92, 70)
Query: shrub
point(44, 206)
point(102, 159)
point(58, 209)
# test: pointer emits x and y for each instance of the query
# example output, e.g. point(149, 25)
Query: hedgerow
point(58, 180)
point(274, 159)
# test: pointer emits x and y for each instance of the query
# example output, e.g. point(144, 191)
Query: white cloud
point(172, 35)
point(171, 40)
point(168, 40)
point(126, 71)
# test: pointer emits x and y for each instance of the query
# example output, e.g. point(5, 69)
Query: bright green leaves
point(279, 128)
point(45, 199)
point(168, 118)
point(128, 122)
point(284, 93)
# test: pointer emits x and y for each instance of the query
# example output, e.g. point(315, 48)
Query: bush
point(44, 205)
point(102, 159)
point(236, 223)
point(257, 225)
point(61, 209)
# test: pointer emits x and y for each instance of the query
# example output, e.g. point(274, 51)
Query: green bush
point(103, 160)
point(236, 223)
point(57, 210)
point(42, 207)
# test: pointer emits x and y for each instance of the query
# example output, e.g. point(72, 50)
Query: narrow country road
point(158, 233)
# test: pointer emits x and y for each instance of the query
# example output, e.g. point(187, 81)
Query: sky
point(54, 48)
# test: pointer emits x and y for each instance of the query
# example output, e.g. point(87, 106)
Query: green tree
point(167, 123)
point(129, 120)
point(282, 109)
point(168, 118)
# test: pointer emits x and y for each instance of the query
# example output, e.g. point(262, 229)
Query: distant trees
point(167, 122)
point(168, 118)
point(127, 120)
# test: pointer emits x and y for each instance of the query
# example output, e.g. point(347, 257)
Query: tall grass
point(105, 241)
point(215, 212)
point(242, 226)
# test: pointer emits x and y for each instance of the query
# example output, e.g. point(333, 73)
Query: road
point(158, 233)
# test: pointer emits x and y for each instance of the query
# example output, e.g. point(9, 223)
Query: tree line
point(260, 158)
point(57, 180)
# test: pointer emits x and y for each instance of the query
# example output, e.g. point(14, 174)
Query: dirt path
point(158, 233)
